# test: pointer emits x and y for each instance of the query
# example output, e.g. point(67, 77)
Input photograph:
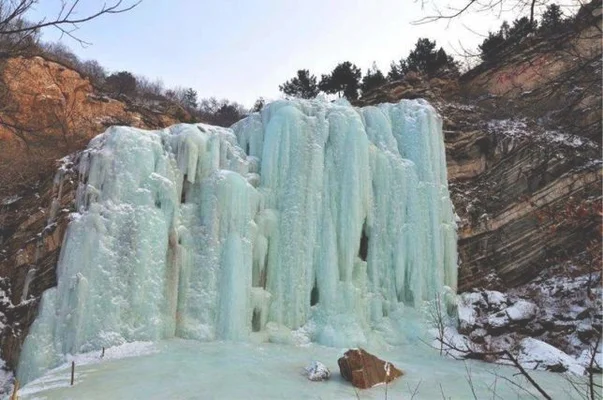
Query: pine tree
point(372, 80)
point(258, 105)
point(343, 80)
point(425, 59)
point(520, 29)
point(492, 46)
point(552, 19)
point(189, 99)
point(397, 70)
point(303, 85)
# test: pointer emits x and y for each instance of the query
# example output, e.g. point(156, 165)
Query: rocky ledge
point(553, 323)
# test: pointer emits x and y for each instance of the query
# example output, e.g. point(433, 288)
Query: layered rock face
point(534, 204)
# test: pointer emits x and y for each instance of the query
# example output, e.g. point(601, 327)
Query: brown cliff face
point(50, 111)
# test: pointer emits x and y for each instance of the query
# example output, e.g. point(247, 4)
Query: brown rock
point(365, 370)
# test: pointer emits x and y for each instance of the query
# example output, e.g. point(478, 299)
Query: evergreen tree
point(425, 59)
point(303, 85)
point(373, 79)
point(520, 29)
point(397, 70)
point(492, 46)
point(258, 105)
point(552, 19)
point(343, 80)
point(189, 98)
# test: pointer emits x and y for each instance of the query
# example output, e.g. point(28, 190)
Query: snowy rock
point(521, 311)
point(466, 309)
point(453, 344)
point(538, 355)
point(478, 335)
point(498, 320)
point(586, 358)
point(317, 371)
point(496, 300)
point(364, 370)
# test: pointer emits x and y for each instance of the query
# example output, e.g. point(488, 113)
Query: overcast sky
point(241, 50)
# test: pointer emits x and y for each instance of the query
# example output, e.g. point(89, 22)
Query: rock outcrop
point(557, 309)
point(364, 370)
point(52, 111)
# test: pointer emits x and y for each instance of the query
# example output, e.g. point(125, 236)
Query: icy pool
point(183, 369)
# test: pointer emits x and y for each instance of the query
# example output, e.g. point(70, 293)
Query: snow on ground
point(519, 129)
point(466, 310)
point(56, 378)
point(538, 355)
point(553, 330)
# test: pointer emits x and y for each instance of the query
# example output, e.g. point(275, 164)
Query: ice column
point(308, 221)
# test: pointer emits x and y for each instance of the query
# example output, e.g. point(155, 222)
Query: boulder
point(317, 371)
point(364, 370)
point(467, 307)
point(498, 322)
point(522, 310)
point(496, 300)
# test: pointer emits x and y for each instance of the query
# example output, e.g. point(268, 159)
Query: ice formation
point(308, 221)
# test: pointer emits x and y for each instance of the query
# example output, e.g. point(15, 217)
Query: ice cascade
point(309, 221)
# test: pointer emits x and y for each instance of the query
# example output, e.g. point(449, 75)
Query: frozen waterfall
point(310, 221)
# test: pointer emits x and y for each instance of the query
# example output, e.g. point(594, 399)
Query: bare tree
point(15, 26)
point(456, 9)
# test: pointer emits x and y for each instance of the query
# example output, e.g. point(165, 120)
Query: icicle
point(311, 219)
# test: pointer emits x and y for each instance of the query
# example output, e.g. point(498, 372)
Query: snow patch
point(521, 311)
point(538, 355)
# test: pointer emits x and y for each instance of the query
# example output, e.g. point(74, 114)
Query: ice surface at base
point(312, 221)
point(180, 369)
